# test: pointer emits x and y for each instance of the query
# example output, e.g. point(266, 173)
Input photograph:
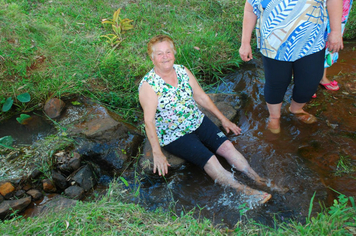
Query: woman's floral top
point(177, 112)
point(288, 30)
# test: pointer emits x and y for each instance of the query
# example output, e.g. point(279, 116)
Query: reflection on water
point(36, 128)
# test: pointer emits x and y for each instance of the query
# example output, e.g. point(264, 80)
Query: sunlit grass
point(54, 48)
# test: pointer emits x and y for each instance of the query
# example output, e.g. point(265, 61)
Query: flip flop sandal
point(331, 86)
point(305, 117)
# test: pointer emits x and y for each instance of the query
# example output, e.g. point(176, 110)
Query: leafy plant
point(6, 142)
point(24, 98)
point(119, 26)
point(23, 118)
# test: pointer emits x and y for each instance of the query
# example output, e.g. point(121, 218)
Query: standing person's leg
point(278, 76)
point(329, 85)
point(307, 73)
point(274, 117)
point(330, 57)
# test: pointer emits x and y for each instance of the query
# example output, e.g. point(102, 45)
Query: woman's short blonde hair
point(159, 39)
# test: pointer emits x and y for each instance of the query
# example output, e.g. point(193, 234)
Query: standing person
point(331, 57)
point(291, 38)
point(169, 95)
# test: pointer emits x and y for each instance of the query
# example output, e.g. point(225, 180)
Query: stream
point(317, 159)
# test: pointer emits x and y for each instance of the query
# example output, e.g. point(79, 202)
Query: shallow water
point(35, 128)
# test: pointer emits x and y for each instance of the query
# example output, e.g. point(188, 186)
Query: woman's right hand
point(160, 164)
point(148, 99)
point(245, 52)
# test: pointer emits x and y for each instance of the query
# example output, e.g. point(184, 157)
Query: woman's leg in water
point(238, 161)
point(223, 177)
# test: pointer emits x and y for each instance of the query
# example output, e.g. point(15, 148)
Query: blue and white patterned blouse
point(288, 30)
point(177, 112)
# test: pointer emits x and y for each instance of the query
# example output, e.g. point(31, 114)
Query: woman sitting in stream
point(169, 95)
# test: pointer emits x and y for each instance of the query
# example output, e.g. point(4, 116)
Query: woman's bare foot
point(259, 197)
point(272, 185)
point(273, 125)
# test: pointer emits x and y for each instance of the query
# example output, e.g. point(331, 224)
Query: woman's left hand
point(229, 126)
point(335, 42)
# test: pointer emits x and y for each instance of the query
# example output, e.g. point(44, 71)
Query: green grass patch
point(54, 48)
point(345, 166)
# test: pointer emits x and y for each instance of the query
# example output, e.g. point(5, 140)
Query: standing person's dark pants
point(307, 73)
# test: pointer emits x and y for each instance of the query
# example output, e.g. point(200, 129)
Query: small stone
point(48, 186)
point(35, 194)
point(74, 163)
point(20, 193)
point(27, 187)
point(53, 107)
point(59, 180)
point(6, 189)
point(35, 174)
point(74, 192)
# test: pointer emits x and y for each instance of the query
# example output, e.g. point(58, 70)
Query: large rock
point(8, 207)
point(59, 180)
point(228, 104)
point(146, 161)
point(94, 121)
point(55, 204)
point(110, 156)
point(74, 192)
point(102, 136)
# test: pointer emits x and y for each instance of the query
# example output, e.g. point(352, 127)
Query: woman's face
point(163, 55)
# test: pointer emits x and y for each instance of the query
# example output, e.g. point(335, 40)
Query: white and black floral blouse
point(177, 112)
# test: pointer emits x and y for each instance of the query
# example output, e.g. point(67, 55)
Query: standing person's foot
point(273, 125)
point(304, 116)
point(330, 85)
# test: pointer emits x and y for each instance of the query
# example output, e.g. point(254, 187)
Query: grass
point(345, 166)
point(54, 48)
point(111, 216)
